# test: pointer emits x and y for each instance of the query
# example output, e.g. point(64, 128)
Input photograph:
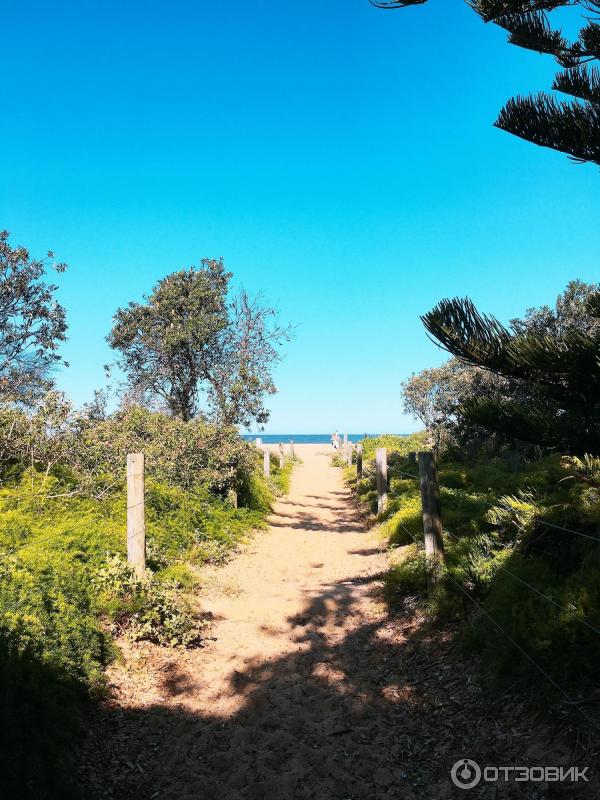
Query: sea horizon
point(308, 438)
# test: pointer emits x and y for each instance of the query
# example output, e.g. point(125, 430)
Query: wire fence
point(539, 520)
point(537, 592)
point(501, 567)
point(528, 656)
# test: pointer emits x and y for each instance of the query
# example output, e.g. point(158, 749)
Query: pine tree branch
point(572, 128)
point(579, 82)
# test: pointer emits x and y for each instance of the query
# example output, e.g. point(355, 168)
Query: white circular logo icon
point(465, 773)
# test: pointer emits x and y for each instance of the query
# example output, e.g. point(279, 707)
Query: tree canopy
point(167, 344)
point(554, 367)
point(569, 126)
point(434, 396)
point(193, 349)
point(32, 323)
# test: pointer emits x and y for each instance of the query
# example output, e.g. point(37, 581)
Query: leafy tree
point(571, 312)
point(191, 349)
point(168, 344)
point(554, 368)
point(242, 377)
point(572, 127)
point(435, 396)
point(32, 323)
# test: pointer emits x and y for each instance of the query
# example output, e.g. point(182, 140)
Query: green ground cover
point(508, 556)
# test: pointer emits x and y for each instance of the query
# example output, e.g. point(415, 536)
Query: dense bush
point(183, 454)
point(89, 454)
point(65, 586)
point(539, 583)
point(400, 445)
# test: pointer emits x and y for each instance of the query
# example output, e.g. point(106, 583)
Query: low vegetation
point(66, 589)
point(513, 420)
point(509, 556)
point(197, 361)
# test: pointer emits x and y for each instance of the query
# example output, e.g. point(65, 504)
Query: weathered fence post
point(349, 454)
point(292, 449)
point(136, 522)
point(432, 512)
point(412, 459)
point(267, 462)
point(258, 442)
point(513, 460)
point(381, 465)
point(281, 456)
point(359, 462)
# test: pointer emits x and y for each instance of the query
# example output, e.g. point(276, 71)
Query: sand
point(305, 687)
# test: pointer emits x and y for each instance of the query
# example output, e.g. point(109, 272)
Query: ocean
point(306, 438)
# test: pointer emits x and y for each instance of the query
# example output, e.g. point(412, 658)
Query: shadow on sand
point(364, 711)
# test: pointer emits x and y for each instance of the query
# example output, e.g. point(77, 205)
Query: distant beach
point(307, 438)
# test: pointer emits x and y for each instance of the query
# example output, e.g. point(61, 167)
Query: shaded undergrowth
point(522, 548)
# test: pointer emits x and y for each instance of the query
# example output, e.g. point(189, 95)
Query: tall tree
point(32, 323)
point(168, 343)
point(192, 348)
point(570, 126)
point(434, 396)
point(242, 378)
point(554, 367)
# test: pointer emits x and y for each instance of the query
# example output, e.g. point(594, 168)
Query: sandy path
point(264, 710)
point(300, 584)
point(306, 688)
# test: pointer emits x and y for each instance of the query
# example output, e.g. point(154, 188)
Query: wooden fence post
point(292, 450)
point(359, 462)
point(281, 456)
point(258, 442)
point(381, 465)
point(267, 462)
point(136, 521)
point(432, 511)
point(349, 454)
point(412, 459)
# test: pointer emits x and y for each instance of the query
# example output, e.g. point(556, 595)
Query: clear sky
point(340, 158)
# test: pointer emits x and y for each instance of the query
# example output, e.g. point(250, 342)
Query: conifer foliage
point(570, 125)
point(555, 374)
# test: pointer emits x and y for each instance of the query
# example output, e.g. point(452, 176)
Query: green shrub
point(281, 478)
point(46, 611)
point(182, 576)
point(408, 578)
point(404, 523)
point(491, 516)
point(402, 445)
point(145, 607)
point(553, 635)
point(65, 585)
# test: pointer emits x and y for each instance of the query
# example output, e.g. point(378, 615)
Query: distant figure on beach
point(335, 440)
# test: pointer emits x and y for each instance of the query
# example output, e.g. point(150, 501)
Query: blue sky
point(340, 158)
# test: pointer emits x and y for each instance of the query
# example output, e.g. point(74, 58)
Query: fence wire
point(527, 655)
point(582, 620)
